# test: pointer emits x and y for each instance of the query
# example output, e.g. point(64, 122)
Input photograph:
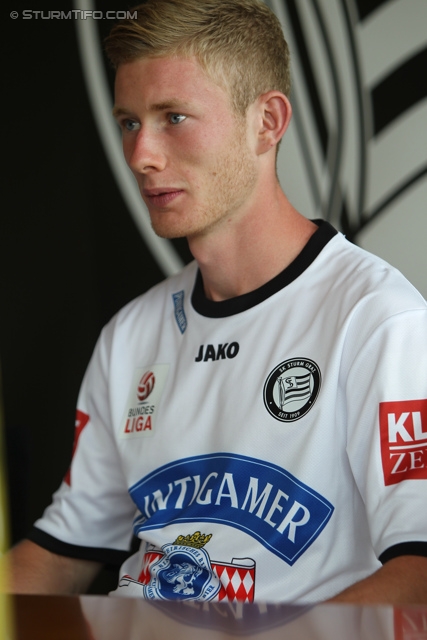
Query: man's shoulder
point(368, 276)
point(153, 300)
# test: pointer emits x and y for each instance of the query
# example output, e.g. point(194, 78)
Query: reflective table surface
point(108, 618)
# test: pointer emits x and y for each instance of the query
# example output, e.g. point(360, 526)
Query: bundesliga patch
point(144, 397)
point(403, 433)
point(291, 389)
point(183, 570)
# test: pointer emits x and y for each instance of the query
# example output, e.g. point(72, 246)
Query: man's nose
point(145, 153)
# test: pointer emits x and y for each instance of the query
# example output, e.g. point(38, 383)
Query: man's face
point(190, 153)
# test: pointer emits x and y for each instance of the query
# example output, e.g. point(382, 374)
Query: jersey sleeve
point(91, 513)
point(386, 399)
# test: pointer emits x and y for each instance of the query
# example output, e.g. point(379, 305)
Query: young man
point(260, 420)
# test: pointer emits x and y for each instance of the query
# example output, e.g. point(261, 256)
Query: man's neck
point(243, 255)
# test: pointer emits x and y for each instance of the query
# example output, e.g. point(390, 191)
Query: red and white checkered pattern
point(237, 582)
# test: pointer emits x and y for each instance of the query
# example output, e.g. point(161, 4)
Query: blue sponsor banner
point(257, 497)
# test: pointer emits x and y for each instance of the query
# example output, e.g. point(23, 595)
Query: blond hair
point(239, 43)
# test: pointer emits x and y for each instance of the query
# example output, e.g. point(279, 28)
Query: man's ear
point(274, 116)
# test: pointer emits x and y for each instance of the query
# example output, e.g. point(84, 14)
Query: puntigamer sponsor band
point(252, 495)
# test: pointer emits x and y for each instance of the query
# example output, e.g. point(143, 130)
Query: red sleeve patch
point(403, 432)
point(81, 421)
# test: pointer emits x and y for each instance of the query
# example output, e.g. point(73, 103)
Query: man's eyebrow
point(169, 104)
point(119, 111)
point(158, 106)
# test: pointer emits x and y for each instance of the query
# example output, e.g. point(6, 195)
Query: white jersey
point(271, 447)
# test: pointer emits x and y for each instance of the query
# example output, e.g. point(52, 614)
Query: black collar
point(232, 306)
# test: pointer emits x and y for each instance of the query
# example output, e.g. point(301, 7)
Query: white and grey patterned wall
point(356, 153)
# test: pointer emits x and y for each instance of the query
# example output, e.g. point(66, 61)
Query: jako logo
point(146, 385)
point(403, 429)
point(223, 351)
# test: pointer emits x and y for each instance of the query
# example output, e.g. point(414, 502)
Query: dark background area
point(70, 254)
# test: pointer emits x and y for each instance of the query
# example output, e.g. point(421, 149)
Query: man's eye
point(176, 118)
point(130, 125)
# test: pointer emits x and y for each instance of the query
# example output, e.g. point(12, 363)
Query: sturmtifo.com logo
point(291, 389)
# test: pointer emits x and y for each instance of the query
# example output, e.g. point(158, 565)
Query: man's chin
point(168, 234)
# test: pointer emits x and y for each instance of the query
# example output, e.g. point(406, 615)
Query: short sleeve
point(386, 399)
point(91, 513)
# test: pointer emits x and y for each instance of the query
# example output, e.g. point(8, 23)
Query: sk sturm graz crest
point(183, 570)
point(291, 389)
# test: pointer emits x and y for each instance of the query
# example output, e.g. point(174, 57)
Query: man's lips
point(160, 197)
